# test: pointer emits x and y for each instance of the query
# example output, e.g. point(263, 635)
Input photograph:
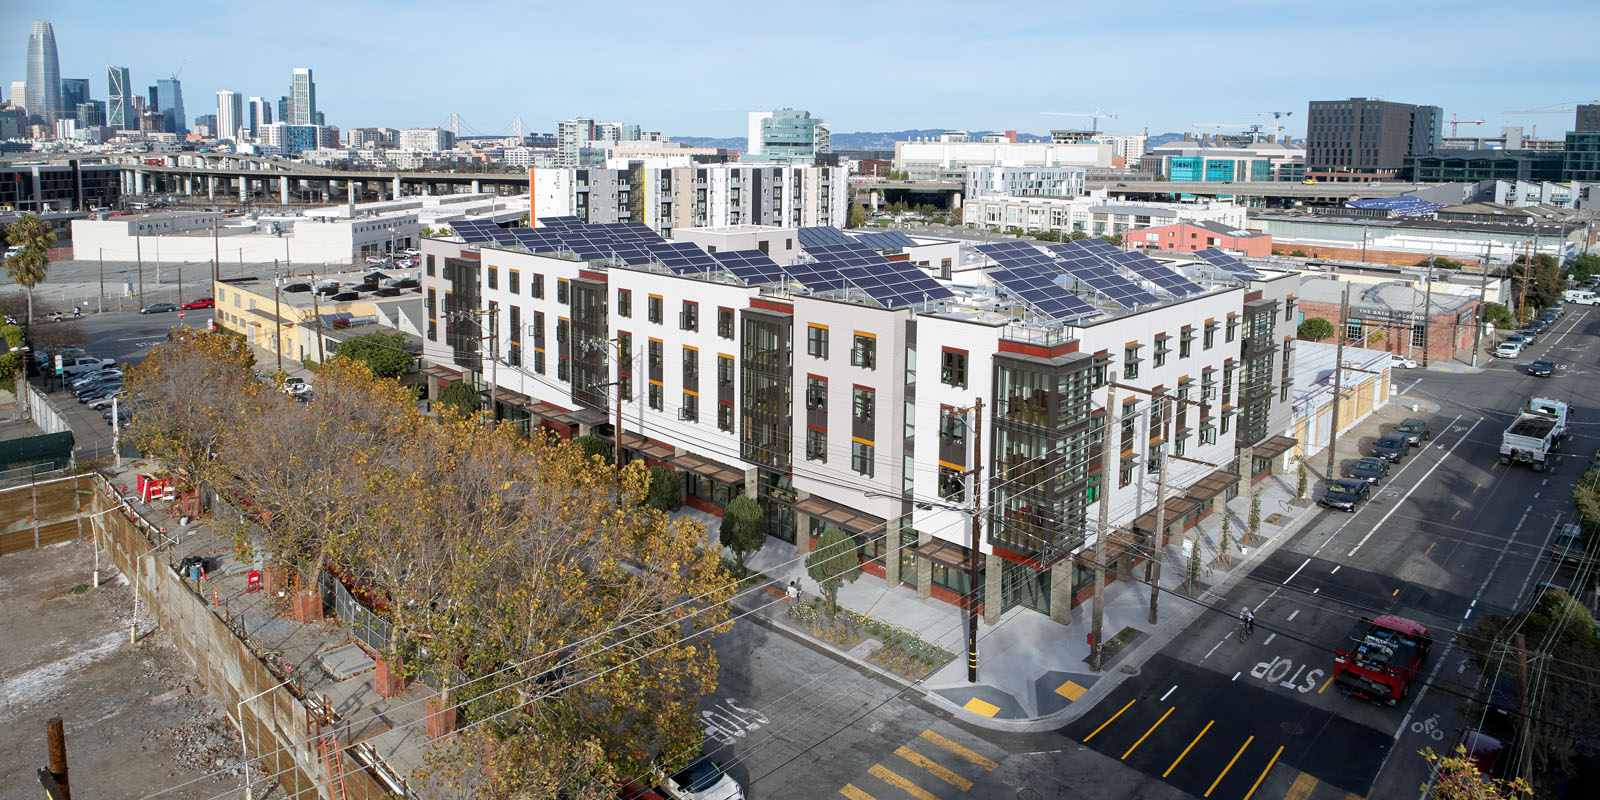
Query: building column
point(924, 569)
point(993, 603)
point(477, 186)
point(244, 188)
point(188, 186)
point(802, 535)
point(138, 181)
point(396, 195)
point(891, 554)
point(1061, 591)
point(875, 199)
point(283, 190)
point(211, 187)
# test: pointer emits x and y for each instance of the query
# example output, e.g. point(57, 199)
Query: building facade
point(44, 73)
point(948, 161)
point(1398, 317)
point(1026, 181)
point(1587, 118)
point(1364, 139)
point(169, 91)
point(73, 92)
point(783, 136)
point(258, 112)
point(119, 99)
point(1473, 166)
point(1258, 161)
point(230, 115)
point(285, 139)
point(425, 139)
point(1091, 215)
point(302, 108)
point(1581, 161)
point(1186, 237)
point(713, 195)
point(831, 411)
point(71, 186)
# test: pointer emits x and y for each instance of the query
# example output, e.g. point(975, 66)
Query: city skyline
point(970, 77)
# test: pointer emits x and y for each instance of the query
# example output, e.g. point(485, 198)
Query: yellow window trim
point(859, 440)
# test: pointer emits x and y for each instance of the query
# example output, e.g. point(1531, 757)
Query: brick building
point(1189, 237)
point(1388, 316)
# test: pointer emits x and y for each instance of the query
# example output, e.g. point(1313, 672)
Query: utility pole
point(977, 536)
point(56, 740)
point(1158, 544)
point(138, 255)
point(277, 314)
point(316, 313)
point(1427, 315)
point(1520, 642)
point(1527, 268)
point(1483, 292)
point(102, 304)
point(216, 253)
point(1104, 527)
point(1338, 383)
point(616, 435)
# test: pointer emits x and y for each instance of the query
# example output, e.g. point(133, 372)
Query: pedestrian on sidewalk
point(793, 594)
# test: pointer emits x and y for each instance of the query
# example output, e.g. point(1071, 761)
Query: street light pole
point(1338, 372)
point(1106, 469)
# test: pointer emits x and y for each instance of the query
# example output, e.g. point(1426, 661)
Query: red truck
point(1381, 658)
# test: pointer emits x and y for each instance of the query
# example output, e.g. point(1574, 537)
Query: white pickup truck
point(1535, 433)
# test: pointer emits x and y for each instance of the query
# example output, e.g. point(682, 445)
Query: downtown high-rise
point(119, 99)
point(44, 72)
point(169, 99)
point(302, 99)
point(230, 115)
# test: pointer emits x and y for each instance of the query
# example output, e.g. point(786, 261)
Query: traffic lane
point(126, 337)
point(1216, 737)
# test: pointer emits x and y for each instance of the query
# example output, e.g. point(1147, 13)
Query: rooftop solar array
point(1097, 245)
point(1088, 267)
point(822, 235)
point(559, 222)
point(1012, 254)
point(481, 231)
point(886, 241)
point(751, 266)
point(682, 258)
point(1037, 287)
point(628, 232)
point(1228, 264)
point(1404, 206)
point(850, 265)
point(1152, 270)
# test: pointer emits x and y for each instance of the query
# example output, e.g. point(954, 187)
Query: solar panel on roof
point(822, 235)
point(1107, 281)
point(851, 265)
point(1015, 254)
point(1037, 287)
point(753, 267)
point(559, 222)
point(1097, 245)
point(682, 258)
point(1152, 270)
point(886, 241)
point(1227, 263)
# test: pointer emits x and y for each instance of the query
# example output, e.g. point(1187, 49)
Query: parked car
point(86, 378)
point(1518, 339)
point(102, 403)
point(1541, 368)
point(1368, 469)
point(1345, 495)
point(1508, 350)
point(295, 387)
point(73, 367)
point(201, 302)
point(1401, 362)
point(96, 385)
point(1529, 335)
point(100, 391)
point(158, 308)
point(1415, 429)
point(702, 779)
point(1391, 446)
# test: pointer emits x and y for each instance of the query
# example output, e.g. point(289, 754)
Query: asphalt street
point(1449, 537)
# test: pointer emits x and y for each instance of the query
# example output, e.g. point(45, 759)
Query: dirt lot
point(136, 722)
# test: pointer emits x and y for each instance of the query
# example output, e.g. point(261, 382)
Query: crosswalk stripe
point(1263, 775)
point(1302, 787)
point(1231, 762)
point(934, 767)
point(1187, 749)
point(987, 764)
point(1148, 732)
point(1109, 721)
point(900, 782)
point(853, 793)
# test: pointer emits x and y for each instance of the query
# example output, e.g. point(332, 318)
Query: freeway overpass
point(1281, 190)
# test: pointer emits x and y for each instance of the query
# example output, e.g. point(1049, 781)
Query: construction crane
point(1094, 116)
point(1454, 122)
point(1276, 115)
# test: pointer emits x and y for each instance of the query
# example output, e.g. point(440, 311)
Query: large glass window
point(861, 455)
point(817, 341)
point(864, 351)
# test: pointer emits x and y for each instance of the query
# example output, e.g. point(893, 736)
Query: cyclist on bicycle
point(1248, 619)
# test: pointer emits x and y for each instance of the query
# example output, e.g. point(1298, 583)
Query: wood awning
point(641, 445)
point(834, 514)
point(1177, 506)
point(1212, 485)
point(442, 373)
point(940, 551)
point(588, 416)
point(1274, 447)
point(1119, 544)
point(706, 468)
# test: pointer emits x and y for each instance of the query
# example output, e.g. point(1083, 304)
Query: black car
point(103, 391)
point(1391, 447)
point(1541, 368)
point(1415, 430)
point(1370, 470)
point(1345, 495)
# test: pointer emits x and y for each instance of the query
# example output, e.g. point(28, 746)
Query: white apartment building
point(711, 195)
point(751, 375)
point(1093, 214)
point(426, 139)
point(230, 115)
point(1026, 181)
point(1129, 147)
point(949, 160)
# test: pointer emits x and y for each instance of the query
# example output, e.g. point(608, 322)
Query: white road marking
point(1413, 488)
point(1318, 589)
point(1352, 517)
point(1296, 571)
point(1545, 548)
point(1269, 639)
point(1169, 692)
point(1296, 613)
point(1335, 569)
point(1235, 676)
point(1213, 649)
point(1413, 385)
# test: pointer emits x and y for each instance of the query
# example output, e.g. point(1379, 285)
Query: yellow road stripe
point(1187, 749)
point(1302, 787)
point(969, 755)
point(1264, 772)
point(898, 781)
point(853, 793)
point(1396, 593)
point(1430, 548)
point(1457, 514)
point(934, 767)
point(1231, 762)
point(1147, 733)
point(1109, 721)
point(1325, 685)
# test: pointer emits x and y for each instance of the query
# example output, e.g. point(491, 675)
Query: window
point(725, 417)
point(1208, 434)
point(655, 396)
point(952, 428)
point(1288, 310)
point(691, 407)
point(816, 392)
point(816, 445)
point(536, 286)
point(494, 277)
point(724, 371)
point(953, 367)
point(653, 308)
point(1153, 459)
point(1352, 329)
point(944, 269)
point(817, 341)
point(861, 457)
point(563, 293)
point(689, 317)
point(624, 302)
point(864, 352)
point(1233, 328)
point(1418, 332)
point(1125, 475)
point(691, 367)
point(514, 281)
point(725, 323)
point(430, 266)
point(1130, 361)
point(1185, 342)
point(1209, 339)
point(862, 407)
point(1161, 351)
point(952, 484)
point(514, 349)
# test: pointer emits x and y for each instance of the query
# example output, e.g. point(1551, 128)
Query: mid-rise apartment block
point(993, 181)
point(837, 387)
point(426, 139)
point(949, 160)
point(1365, 139)
point(784, 136)
point(713, 195)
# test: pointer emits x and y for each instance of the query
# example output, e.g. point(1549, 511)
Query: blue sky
point(694, 68)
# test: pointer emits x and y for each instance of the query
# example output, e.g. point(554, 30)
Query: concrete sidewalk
point(1033, 672)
